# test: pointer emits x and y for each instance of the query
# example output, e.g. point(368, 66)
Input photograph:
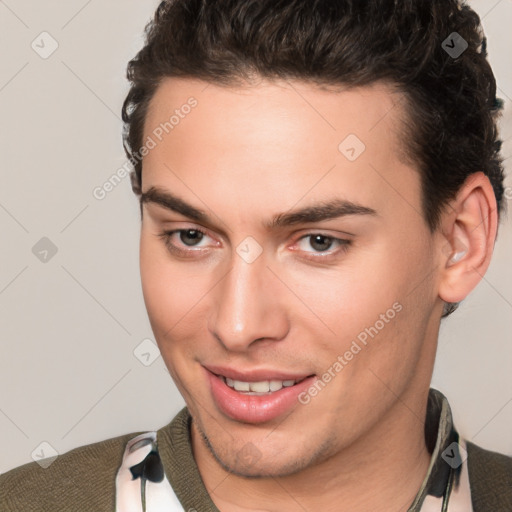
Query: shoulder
point(81, 479)
point(490, 477)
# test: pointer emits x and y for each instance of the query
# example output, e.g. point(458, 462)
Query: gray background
point(69, 326)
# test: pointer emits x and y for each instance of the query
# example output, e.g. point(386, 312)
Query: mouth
point(258, 397)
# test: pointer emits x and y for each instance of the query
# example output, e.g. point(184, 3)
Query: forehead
point(277, 142)
point(369, 110)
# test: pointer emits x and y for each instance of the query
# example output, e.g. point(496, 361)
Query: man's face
point(352, 297)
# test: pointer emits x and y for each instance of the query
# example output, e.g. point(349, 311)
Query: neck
point(382, 470)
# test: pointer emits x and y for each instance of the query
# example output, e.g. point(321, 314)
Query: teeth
point(264, 386)
point(241, 386)
point(275, 385)
point(260, 387)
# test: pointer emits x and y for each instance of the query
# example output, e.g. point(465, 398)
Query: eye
point(187, 238)
point(322, 243)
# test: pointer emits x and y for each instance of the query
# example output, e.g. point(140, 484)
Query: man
point(320, 183)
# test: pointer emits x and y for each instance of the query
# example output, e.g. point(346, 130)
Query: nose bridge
point(245, 305)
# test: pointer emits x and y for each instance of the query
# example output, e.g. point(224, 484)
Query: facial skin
point(243, 155)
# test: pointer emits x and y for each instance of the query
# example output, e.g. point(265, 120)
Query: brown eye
point(321, 244)
point(193, 235)
point(187, 238)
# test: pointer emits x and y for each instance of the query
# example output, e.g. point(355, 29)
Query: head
point(250, 111)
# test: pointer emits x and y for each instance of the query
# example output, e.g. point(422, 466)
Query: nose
point(247, 306)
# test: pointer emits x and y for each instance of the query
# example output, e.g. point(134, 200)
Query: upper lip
point(254, 375)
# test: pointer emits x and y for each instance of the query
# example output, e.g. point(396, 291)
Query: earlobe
point(470, 230)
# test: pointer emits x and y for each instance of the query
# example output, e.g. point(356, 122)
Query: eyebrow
point(325, 210)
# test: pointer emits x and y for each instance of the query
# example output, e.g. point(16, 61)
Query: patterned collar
point(158, 471)
point(445, 487)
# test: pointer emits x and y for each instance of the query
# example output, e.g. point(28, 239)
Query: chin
point(262, 469)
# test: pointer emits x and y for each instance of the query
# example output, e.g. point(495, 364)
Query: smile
point(256, 399)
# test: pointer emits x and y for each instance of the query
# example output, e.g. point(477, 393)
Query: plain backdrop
point(72, 319)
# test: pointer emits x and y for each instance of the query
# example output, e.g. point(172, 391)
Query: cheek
point(379, 300)
point(153, 277)
point(392, 307)
point(163, 284)
point(364, 287)
point(174, 291)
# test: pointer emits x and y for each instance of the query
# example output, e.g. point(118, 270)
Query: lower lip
point(255, 408)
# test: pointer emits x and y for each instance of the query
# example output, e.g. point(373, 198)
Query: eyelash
point(167, 235)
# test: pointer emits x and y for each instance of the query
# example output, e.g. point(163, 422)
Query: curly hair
point(450, 130)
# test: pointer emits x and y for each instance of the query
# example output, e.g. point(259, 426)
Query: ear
point(469, 232)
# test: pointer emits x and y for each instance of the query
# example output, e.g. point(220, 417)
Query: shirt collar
point(439, 435)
